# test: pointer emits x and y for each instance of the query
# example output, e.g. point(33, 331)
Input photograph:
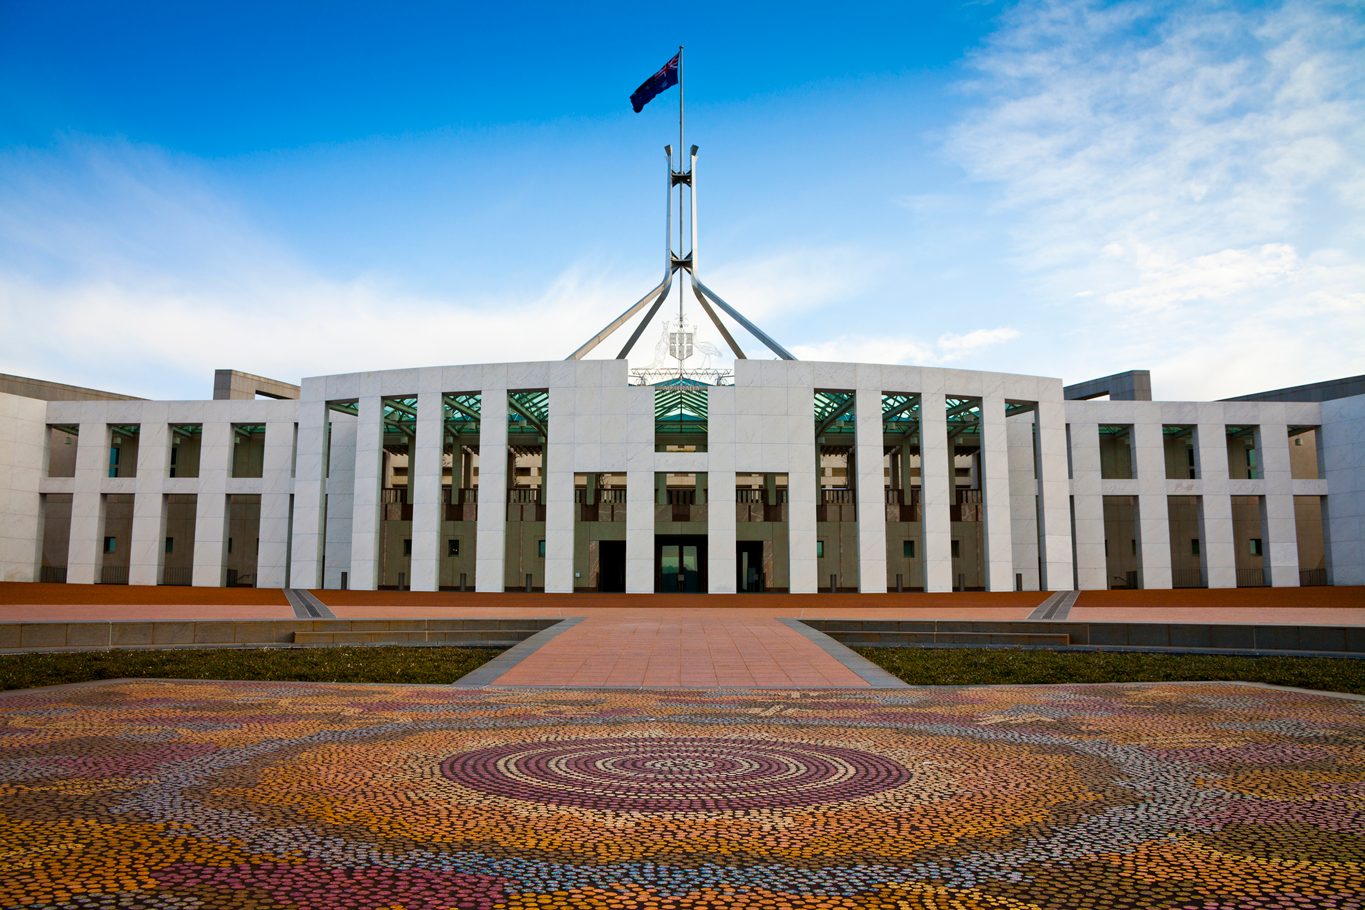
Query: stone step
point(883, 639)
point(500, 637)
point(99, 635)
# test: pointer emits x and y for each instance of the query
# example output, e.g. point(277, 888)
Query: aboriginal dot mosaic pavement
point(291, 795)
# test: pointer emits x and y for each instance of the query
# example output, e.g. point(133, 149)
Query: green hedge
point(1029, 666)
point(438, 666)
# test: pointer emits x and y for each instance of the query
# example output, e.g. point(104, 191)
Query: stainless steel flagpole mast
point(681, 295)
point(682, 261)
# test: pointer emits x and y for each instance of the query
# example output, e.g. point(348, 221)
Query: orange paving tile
point(29, 602)
point(19, 592)
point(1348, 596)
point(691, 649)
point(139, 612)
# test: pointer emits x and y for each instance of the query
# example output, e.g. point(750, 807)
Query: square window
point(109, 544)
point(1194, 546)
point(170, 544)
point(819, 549)
point(908, 549)
point(452, 548)
point(957, 549)
point(542, 549)
point(407, 547)
point(1255, 547)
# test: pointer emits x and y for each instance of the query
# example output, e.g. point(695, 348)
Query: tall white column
point(340, 493)
point(1343, 457)
point(424, 484)
point(558, 468)
point(365, 517)
point(720, 494)
point(1282, 535)
point(1054, 491)
point(1211, 447)
point(720, 532)
point(870, 485)
point(639, 532)
point(305, 570)
point(23, 462)
point(996, 483)
point(1092, 572)
point(491, 553)
point(1154, 524)
point(149, 507)
point(937, 489)
point(1023, 500)
point(639, 490)
point(210, 515)
point(83, 558)
point(803, 490)
point(803, 480)
point(277, 484)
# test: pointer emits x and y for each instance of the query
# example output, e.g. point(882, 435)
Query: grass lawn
point(1020, 666)
point(363, 665)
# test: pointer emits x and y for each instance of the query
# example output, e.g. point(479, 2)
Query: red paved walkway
point(683, 649)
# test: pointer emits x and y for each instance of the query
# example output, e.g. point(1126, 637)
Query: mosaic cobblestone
point(291, 795)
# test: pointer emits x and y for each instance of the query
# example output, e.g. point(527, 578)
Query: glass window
point(407, 547)
point(170, 544)
point(1256, 546)
point(111, 542)
point(1194, 546)
point(452, 548)
point(908, 549)
point(542, 549)
point(957, 549)
point(819, 549)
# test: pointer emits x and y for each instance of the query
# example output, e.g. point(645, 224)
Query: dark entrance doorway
point(680, 564)
point(611, 555)
point(749, 567)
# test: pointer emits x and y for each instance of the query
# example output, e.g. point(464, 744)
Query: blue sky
point(1059, 188)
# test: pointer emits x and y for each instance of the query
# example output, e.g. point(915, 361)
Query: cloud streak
point(1187, 183)
point(125, 262)
point(949, 348)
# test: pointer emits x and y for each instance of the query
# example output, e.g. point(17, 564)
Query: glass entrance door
point(689, 570)
point(670, 566)
point(680, 564)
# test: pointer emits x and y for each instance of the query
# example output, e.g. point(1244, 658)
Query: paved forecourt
point(155, 793)
point(682, 640)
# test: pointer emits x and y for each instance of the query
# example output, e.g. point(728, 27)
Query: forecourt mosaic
point(282, 795)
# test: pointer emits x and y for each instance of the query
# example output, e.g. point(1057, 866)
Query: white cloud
point(863, 349)
point(955, 347)
point(1182, 179)
point(126, 269)
point(795, 281)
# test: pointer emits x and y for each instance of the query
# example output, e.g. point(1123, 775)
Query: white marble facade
point(1040, 474)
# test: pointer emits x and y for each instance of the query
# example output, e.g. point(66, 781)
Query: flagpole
point(681, 295)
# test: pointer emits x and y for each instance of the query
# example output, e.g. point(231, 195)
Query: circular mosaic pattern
point(674, 774)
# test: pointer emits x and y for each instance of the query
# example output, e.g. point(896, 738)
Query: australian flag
point(663, 79)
